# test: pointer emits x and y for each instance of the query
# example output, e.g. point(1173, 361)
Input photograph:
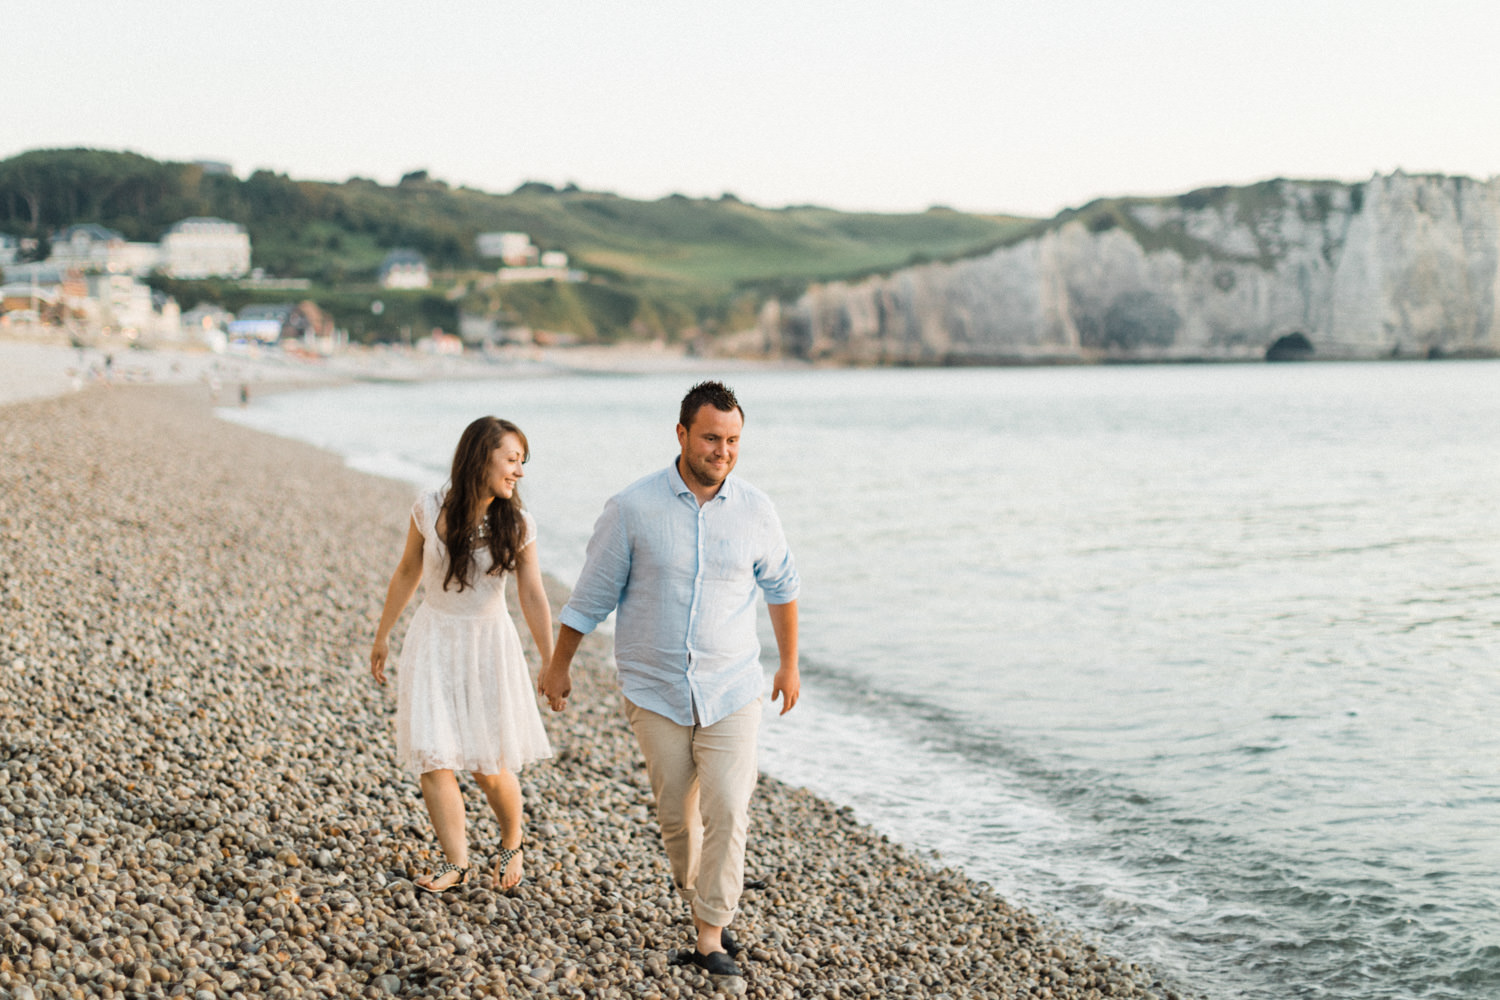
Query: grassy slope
point(658, 267)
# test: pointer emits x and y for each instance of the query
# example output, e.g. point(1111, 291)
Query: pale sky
point(1023, 106)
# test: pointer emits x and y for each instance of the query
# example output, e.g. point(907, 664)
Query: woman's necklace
point(480, 531)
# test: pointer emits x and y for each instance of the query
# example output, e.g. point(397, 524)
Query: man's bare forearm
point(555, 684)
point(787, 685)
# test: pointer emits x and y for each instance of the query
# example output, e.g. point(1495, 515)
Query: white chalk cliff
point(1399, 266)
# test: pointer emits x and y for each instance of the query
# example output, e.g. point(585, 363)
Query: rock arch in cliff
point(1292, 347)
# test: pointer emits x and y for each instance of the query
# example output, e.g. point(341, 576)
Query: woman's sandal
point(506, 853)
point(443, 869)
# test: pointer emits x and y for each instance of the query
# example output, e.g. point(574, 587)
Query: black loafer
point(715, 963)
point(730, 944)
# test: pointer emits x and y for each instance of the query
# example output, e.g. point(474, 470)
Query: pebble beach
point(199, 795)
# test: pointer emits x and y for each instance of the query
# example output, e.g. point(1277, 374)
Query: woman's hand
point(403, 584)
point(378, 654)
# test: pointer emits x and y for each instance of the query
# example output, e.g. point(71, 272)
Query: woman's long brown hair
point(507, 530)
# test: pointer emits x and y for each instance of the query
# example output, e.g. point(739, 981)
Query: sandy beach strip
point(199, 795)
point(37, 369)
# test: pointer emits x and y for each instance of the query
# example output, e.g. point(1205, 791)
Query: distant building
point(206, 248)
point(134, 258)
point(207, 324)
point(36, 298)
point(205, 317)
point(40, 273)
point(212, 167)
point(304, 323)
point(555, 259)
point(404, 269)
point(442, 343)
point(260, 322)
point(489, 244)
point(85, 246)
point(310, 324)
point(95, 249)
point(43, 293)
point(27, 305)
point(121, 303)
point(514, 275)
point(10, 249)
point(513, 249)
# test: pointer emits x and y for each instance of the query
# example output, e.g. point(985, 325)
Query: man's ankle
point(710, 939)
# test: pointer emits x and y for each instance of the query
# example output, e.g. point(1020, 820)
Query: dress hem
point(485, 767)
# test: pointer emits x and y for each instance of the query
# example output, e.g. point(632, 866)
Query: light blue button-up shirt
point(684, 579)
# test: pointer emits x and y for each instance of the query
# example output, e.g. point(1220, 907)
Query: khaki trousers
point(702, 778)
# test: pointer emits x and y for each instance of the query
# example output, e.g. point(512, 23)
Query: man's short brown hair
point(715, 394)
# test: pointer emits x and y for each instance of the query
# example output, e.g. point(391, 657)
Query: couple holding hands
point(680, 555)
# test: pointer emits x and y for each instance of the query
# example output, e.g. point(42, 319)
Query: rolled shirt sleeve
point(775, 570)
point(606, 569)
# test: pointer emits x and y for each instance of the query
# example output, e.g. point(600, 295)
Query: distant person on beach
point(681, 554)
point(465, 700)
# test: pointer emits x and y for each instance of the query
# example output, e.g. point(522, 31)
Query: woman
point(465, 696)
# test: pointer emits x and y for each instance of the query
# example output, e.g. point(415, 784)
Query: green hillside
point(657, 268)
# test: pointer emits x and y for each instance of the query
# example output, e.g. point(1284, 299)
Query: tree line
point(315, 229)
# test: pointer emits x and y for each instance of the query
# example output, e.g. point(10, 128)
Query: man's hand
point(788, 685)
point(788, 681)
point(554, 683)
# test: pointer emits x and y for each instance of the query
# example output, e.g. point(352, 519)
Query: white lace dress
point(465, 698)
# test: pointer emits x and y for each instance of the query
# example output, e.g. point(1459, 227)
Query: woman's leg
point(504, 794)
point(445, 805)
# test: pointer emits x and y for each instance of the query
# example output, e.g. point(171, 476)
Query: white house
point(514, 249)
point(120, 302)
point(262, 322)
point(85, 246)
point(208, 324)
point(94, 249)
point(134, 258)
point(206, 248)
point(554, 267)
point(404, 269)
point(490, 244)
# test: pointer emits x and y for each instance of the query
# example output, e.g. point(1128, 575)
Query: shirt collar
point(680, 487)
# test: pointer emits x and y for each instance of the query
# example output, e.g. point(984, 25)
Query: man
point(681, 553)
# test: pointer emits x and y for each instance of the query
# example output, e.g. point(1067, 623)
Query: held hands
point(555, 685)
point(787, 685)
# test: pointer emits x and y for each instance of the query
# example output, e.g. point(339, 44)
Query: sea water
point(1199, 660)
